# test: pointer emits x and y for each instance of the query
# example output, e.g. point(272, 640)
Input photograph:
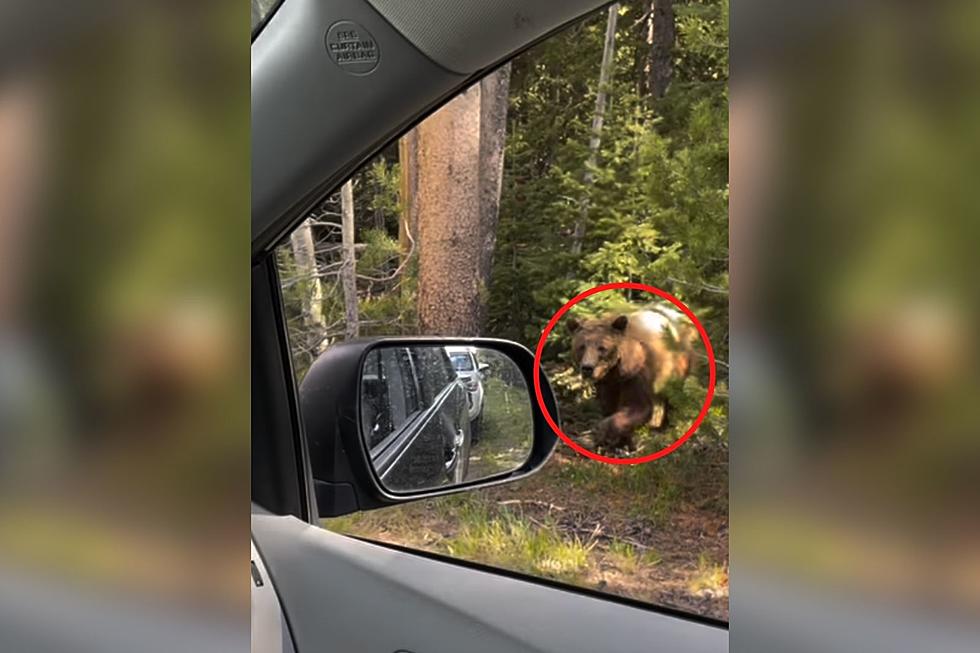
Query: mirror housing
point(330, 398)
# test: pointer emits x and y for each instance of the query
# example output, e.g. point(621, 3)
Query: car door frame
point(283, 483)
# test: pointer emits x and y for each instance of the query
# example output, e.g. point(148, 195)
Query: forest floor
point(567, 523)
point(656, 532)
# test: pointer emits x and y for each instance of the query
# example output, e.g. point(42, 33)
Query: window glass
point(261, 9)
point(409, 380)
point(462, 362)
point(390, 395)
point(376, 417)
point(434, 371)
point(600, 155)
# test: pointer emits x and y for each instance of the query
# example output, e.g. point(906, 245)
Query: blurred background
point(124, 400)
point(855, 144)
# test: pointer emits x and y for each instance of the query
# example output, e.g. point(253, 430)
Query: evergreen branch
point(703, 286)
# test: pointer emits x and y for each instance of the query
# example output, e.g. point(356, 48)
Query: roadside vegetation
point(505, 430)
point(580, 522)
point(600, 155)
point(656, 532)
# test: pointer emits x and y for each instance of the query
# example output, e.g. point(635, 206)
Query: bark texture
point(409, 182)
point(449, 220)
point(606, 67)
point(348, 271)
point(301, 242)
point(494, 94)
point(661, 36)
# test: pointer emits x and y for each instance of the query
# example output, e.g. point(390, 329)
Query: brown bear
point(630, 358)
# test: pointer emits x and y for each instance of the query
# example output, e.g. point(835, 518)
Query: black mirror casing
point(329, 398)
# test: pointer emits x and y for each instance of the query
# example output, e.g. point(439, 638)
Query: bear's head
point(598, 345)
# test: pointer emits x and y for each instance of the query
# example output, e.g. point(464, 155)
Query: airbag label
point(352, 48)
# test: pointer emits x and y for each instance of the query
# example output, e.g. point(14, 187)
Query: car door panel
point(269, 632)
point(416, 457)
point(344, 594)
point(424, 413)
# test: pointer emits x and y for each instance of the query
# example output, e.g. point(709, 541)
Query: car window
point(435, 372)
point(261, 9)
point(389, 391)
point(462, 362)
point(599, 155)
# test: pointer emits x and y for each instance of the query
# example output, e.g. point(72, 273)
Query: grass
point(505, 540)
point(532, 536)
point(624, 556)
point(654, 491)
point(465, 527)
point(623, 529)
point(661, 505)
point(630, 559)
point(710, 577)
point(505, 439)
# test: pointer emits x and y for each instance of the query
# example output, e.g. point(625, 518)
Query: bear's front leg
point(607, 392)
point(658, 416)
point(616, 431)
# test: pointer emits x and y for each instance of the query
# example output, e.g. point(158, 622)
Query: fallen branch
point(398, 270)
point(511, 502)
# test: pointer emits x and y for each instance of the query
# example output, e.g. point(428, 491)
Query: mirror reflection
point(437, 416)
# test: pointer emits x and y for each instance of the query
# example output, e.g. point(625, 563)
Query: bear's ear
point(573, 325)
point(620, 323)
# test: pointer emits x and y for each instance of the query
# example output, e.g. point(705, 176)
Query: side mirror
point(391, 420)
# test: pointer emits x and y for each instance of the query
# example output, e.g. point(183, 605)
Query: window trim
point(259, 26)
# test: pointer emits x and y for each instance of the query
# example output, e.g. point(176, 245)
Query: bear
point(630, 358)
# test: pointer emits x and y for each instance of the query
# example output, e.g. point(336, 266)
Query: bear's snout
point(587, 371)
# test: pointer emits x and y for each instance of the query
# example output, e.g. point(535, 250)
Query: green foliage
point(655, 204)
point(658, 208)
point(505, 540)
point(381, 181)
point(655, 209)
point(381, 249)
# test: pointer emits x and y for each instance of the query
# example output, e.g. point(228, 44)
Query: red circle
point(711, 373)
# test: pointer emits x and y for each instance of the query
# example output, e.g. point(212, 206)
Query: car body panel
point(416, 456)
point(467, 35)
point(471, 377)
point(345, 594)
point(269, 633)
point(414, 419)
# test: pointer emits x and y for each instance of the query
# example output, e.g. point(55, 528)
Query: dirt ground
point(687, 546)
point(656, 532)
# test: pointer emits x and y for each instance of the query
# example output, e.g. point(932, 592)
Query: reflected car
point(471, 373)
point(415, 417)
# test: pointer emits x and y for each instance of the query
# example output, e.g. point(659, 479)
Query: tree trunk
point(409, 182)
point(661, 36)
point(301, 242)
point(494, 95)
point(348, 270)
point(448, 209)
point(605, 79)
